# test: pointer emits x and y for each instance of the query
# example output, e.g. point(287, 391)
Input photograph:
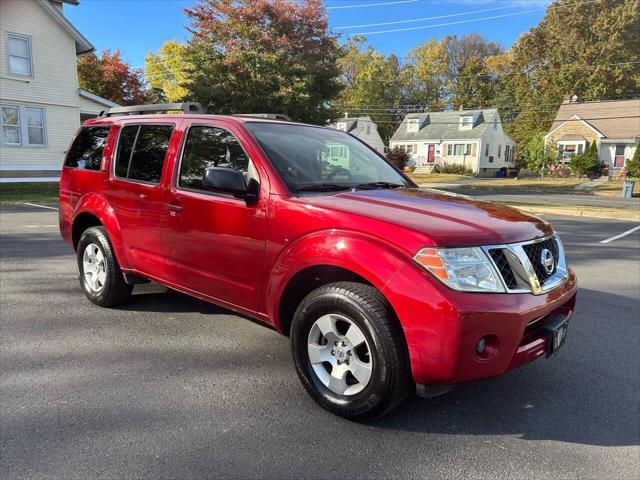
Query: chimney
point(566, 99)
point(574, 99)
point(346, 114)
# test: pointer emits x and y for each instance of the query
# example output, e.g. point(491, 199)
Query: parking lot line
point(623, 234)
point(41, 206)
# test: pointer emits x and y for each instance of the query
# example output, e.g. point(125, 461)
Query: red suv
point(380, 285)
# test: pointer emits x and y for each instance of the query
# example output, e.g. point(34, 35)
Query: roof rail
point(186, 107)
point(272, 116)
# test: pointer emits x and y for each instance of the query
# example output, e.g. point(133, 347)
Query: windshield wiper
point(372, 185)
point(323, 187)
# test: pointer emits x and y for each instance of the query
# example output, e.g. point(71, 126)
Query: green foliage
point(456, 168)
point(633, 164)
point(168, 71)
point(398, 157)
point(533, 154)
point(588, 162)
point(582, 49)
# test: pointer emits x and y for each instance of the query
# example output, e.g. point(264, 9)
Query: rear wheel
point(100, 276)
point(349, 351)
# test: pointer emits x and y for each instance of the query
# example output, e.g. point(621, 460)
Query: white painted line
point(623, 234)
point(40, 226)
point(41, 206)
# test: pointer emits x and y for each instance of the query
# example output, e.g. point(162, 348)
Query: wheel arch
point(322, 258)
point(94, 210)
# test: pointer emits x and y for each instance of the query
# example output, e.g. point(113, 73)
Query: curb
point(578, 211)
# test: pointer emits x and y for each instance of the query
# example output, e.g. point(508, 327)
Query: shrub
point(588, 162)
point(633, 165)
point(398, 157)
point(453, 168)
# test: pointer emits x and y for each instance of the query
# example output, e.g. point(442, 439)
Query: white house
point(474, 139)
point(41, 105)
point(613, 125)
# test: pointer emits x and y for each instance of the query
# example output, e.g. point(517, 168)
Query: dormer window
point(466, 122)
point(413, 124)
point(342, 126)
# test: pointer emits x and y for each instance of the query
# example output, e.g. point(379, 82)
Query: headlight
point(465, 269)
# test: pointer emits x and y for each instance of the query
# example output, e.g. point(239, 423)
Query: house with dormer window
point(363, 128)
point(473, 139)
point(41, 105)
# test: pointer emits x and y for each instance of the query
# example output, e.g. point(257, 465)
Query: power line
point(504, 122)
point(377, 4)
point(459, 22)
point(365, 25)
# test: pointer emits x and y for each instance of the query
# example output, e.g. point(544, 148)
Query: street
point(171, 387)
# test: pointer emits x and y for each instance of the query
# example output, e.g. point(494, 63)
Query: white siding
point(53, 84)
point(89, 106)
point(607, 152)
point(495, 137)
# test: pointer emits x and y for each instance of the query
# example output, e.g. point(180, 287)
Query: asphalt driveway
point(172, 387)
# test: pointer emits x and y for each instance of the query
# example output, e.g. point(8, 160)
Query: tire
point(105, 285)
point(317, 356)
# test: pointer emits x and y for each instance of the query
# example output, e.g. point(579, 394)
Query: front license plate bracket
point(556, 332)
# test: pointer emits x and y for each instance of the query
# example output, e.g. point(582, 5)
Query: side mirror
point(226, 180)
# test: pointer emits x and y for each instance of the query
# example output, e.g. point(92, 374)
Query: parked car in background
point(380, 286)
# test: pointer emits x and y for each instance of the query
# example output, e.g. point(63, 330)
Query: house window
point(580, 148)
point(413, 124)
point(342, 126)
point(19, 55)
point(466, 122)
point(368, 129)
point(23, 126)
point(499, 150)
point(410, 149)
point(495, 124)
point(486, 150)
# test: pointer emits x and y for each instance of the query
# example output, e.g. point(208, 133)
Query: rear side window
point(211, 147)
point(141, 152)
point(86, 150)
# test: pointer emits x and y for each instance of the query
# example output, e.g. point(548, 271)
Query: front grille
point(502, 264)
point(534, 250)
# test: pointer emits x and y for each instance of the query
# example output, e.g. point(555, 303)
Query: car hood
point(448, 219)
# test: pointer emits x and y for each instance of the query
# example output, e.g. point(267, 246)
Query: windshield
point(320, 159)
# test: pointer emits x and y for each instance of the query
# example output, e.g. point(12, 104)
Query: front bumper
point(443, 326)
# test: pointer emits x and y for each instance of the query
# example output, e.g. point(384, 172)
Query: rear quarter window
point(86, 151)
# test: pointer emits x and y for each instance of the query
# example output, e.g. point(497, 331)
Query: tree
point(470, 83)
point(534, 155)
point(263, 56)
point(112, 78)
point(633, 164)
point(587, 163)
point(398, 157)
point(425, 80)
point(168, 71)
point(578, 48)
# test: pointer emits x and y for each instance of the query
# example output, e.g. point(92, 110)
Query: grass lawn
point(436, 177)
point(614, 187)
point(29, 192)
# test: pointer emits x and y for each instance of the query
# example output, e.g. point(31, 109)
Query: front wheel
point(349, 351)
point(100, 276)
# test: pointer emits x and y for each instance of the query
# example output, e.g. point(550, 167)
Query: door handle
point(173, 208)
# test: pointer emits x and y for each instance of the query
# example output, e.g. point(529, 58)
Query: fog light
point(481, 345)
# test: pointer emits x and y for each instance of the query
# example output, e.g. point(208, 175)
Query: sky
point(138, 27)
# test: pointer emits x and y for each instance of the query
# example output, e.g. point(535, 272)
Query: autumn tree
point(169, 70)
point(426, 76)
point(371, 82)
point(110, 77)
point(586, 49)
point(263, 56)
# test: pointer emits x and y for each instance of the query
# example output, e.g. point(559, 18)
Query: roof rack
point(272, 116)
point(186, 107)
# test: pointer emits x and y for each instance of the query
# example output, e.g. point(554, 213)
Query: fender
point(98, 206)
point(368, 256)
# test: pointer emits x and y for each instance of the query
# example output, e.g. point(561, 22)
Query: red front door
point(431, 152)
point(213, 243)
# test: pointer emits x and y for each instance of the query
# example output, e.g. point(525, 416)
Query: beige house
point(41, 105)
point(613, 125)
point(473, 139)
